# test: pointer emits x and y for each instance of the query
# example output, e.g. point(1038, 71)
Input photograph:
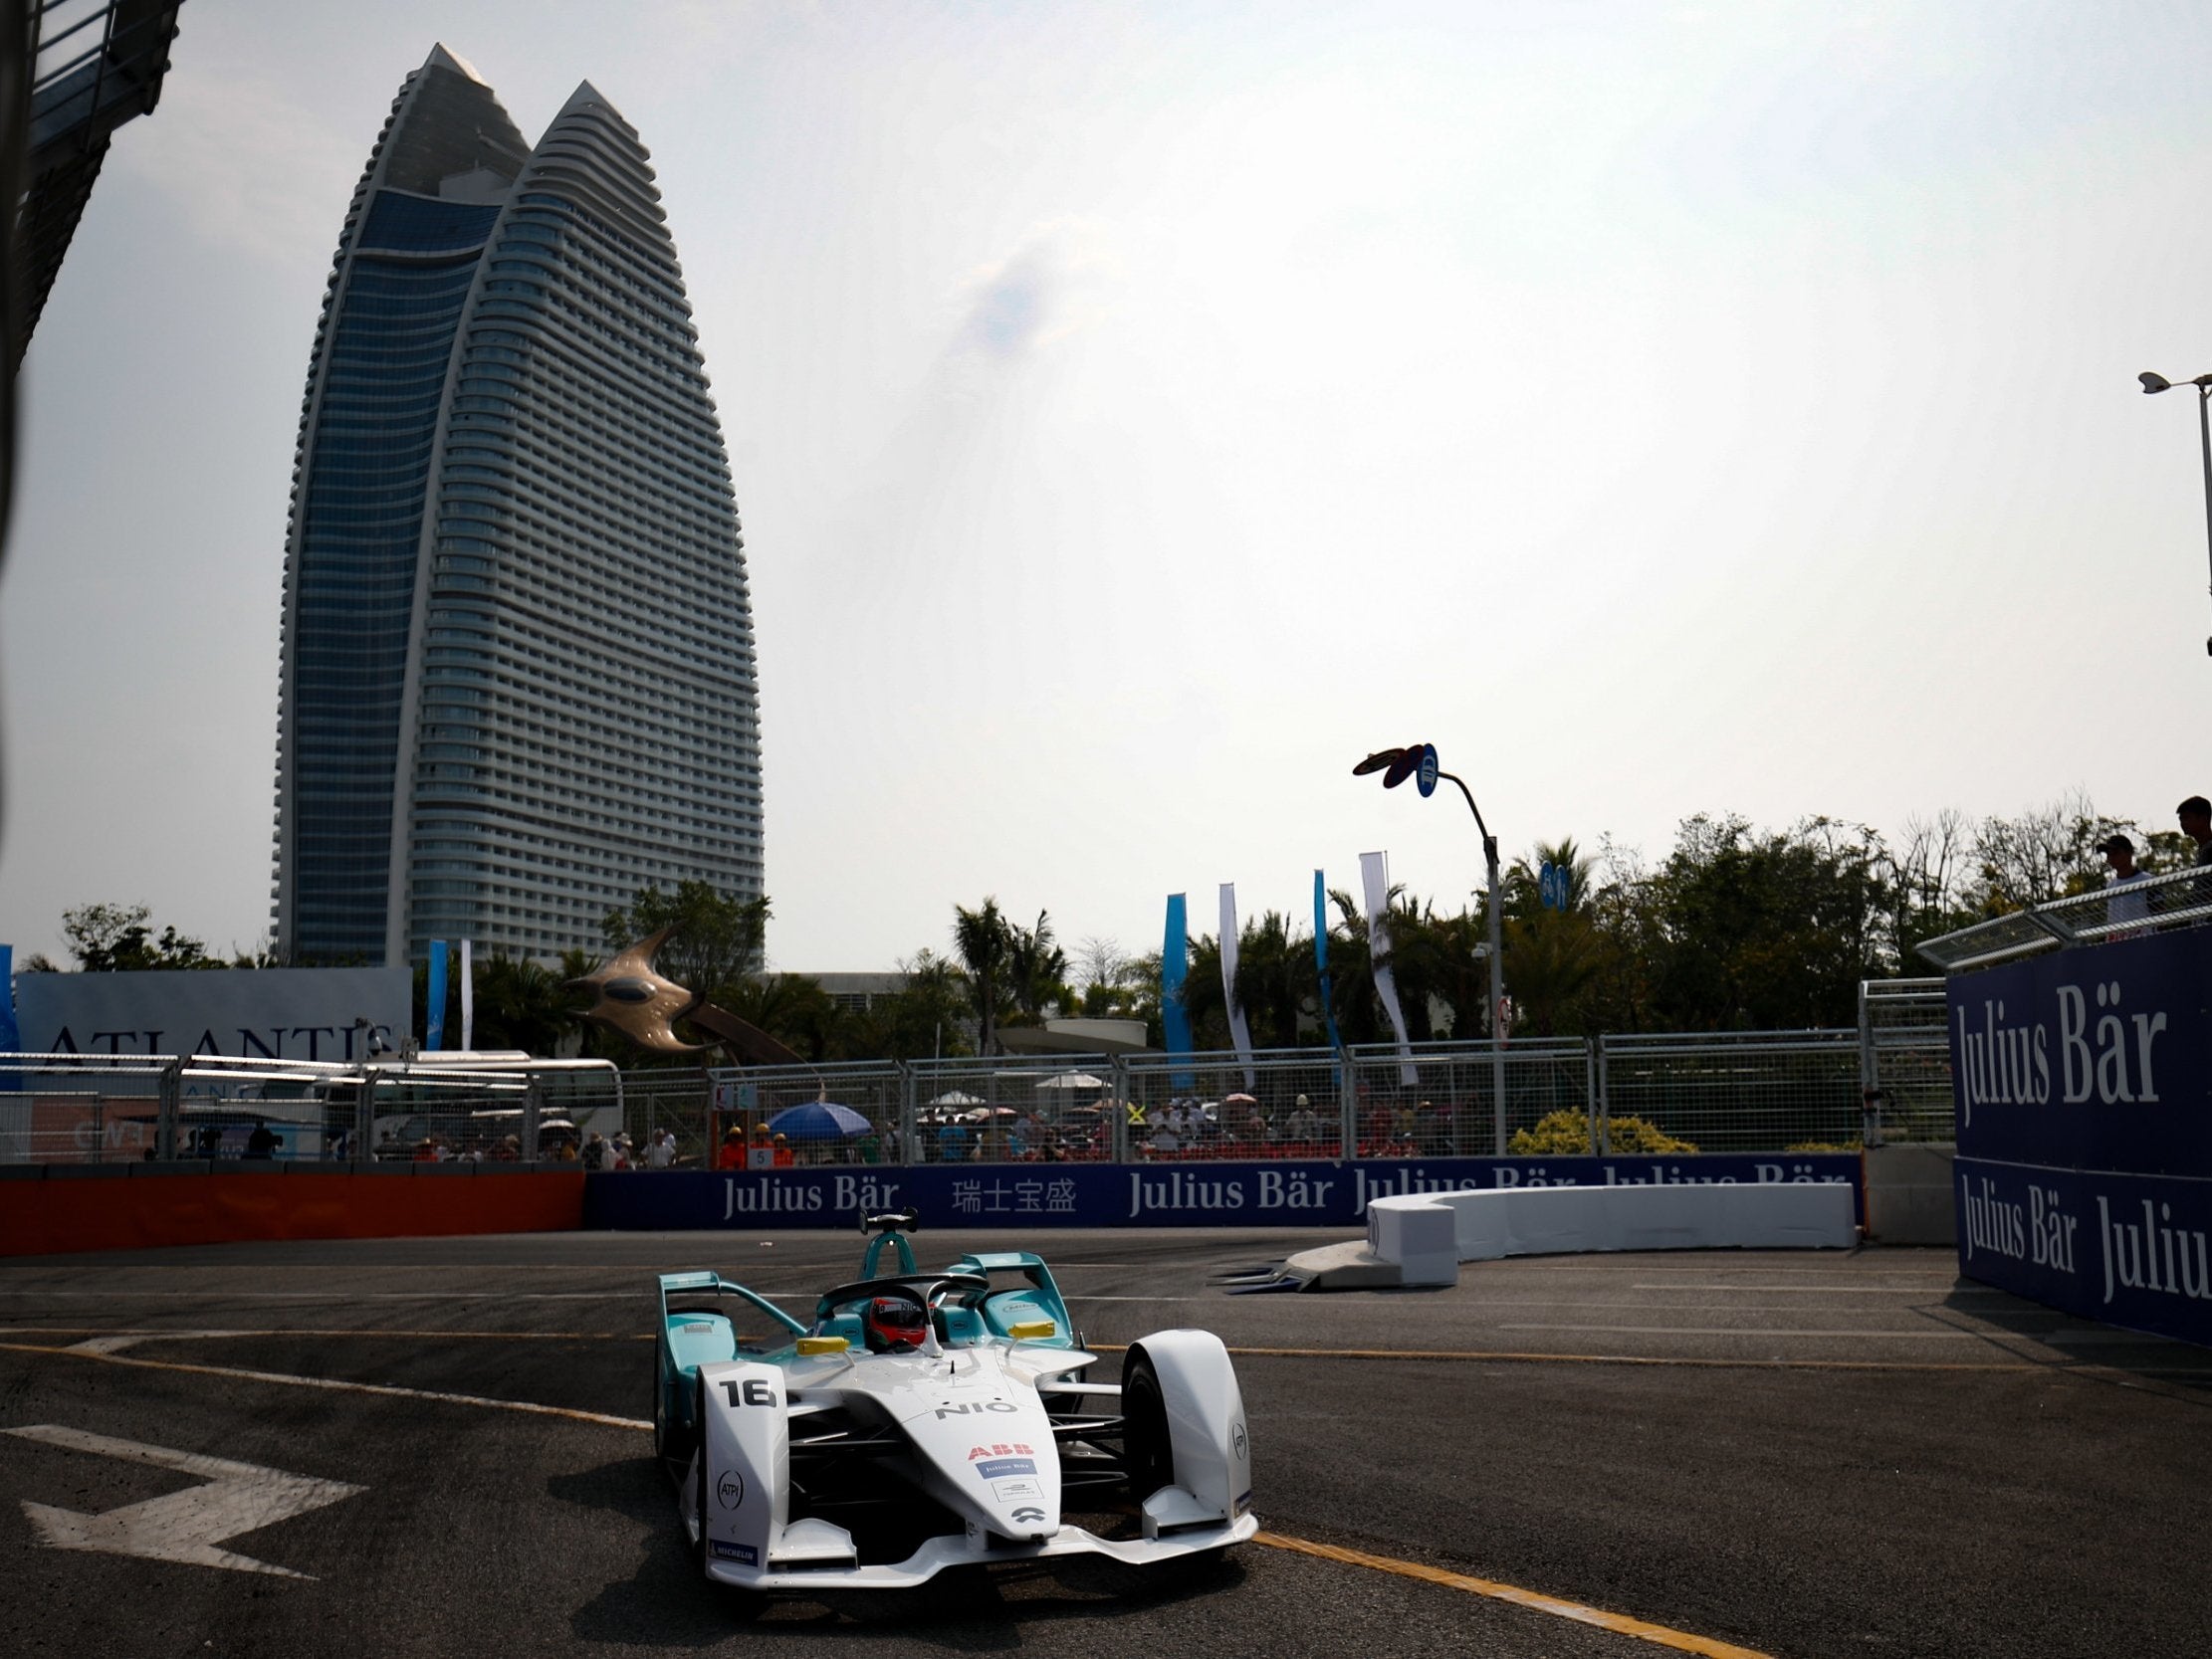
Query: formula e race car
point(927, 1421)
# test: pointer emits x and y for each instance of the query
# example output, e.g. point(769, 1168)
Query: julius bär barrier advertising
point(2084, 1177)
point(1272, 1194)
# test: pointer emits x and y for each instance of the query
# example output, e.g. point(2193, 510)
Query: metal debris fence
point(1716, 1092)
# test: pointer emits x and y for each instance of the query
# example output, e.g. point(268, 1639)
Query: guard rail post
point(173, 1095)
point(1602, 1103)
point(1347, 1106)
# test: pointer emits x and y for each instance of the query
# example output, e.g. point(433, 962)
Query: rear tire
point(1147, 1452)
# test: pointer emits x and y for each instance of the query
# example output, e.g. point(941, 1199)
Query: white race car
point(927, 1421)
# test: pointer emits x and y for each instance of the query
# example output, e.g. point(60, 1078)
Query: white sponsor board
point(283, 1013)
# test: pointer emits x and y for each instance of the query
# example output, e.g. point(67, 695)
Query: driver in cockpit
point(893, 1324)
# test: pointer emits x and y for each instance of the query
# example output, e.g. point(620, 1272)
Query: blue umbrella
point(818, 1120)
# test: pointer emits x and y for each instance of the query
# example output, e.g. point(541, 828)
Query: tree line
point(1736, 929)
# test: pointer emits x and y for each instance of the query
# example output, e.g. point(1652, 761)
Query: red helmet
point(892, 1323)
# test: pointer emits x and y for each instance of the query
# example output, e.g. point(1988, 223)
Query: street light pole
point(1398, 764)
point(2155, 383)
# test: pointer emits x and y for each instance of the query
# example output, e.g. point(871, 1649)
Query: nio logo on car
point(999, 1468)
point(1034, 1517)
point(1018, 1449)
point(730, 1490)
point(944, 1411)
point(743, 1554)
point(755, 1392)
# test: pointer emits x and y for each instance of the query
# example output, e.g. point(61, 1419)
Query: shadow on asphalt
point(667, 1604)
point(2178, 1368)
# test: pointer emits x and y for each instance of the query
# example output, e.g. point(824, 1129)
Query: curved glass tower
point(517, 669)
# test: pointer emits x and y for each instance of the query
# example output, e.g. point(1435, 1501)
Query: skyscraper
point(517, 669)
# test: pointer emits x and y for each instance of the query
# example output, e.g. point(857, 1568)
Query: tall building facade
point(518, 678)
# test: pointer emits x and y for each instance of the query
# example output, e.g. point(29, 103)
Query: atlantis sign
point(268, 1014)
point(2083, 1084)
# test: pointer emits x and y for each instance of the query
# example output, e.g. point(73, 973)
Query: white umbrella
point(955, 1096)
point(1072, 1080)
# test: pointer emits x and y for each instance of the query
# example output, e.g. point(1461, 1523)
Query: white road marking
point(335, 1385)
point(1831, 1290)
point(183, 1525)
point(1758, 1331)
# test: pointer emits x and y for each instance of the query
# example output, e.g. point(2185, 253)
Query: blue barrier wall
point(2084, 1177)
point(1276, 1193)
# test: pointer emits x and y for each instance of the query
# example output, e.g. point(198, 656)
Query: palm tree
point(1036, 968)
point(984, 945)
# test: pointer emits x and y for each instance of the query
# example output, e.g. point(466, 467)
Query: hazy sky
point(1141, 412)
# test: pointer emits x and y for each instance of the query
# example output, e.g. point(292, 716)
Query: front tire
point(1147, 1452)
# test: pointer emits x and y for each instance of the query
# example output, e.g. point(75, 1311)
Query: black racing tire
point(1148, 1455)
point(660, 1408)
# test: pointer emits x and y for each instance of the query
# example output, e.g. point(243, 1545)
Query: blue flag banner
point(1321, 954)
point(11, 1035)
point(1175, 963)
point(433, 1025)
point(2084, 1177)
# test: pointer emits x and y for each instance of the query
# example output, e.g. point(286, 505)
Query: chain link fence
point(1733, 1092)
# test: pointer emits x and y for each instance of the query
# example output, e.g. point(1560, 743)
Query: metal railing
point(2155, 903)
point(105, 1109)
point(1715, 1092)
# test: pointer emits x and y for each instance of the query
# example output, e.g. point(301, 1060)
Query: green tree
point(789, 1007)
point(985, 944)
point(519, 1004)
point(1765, 931)
point(928, 1018)
point(119, 938)
point(718, 936)
point(1036, 970)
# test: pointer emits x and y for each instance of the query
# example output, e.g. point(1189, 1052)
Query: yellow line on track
point(1680, 1640)
point(2060, 1365)
point(334, 1385)
point(1619, 1622)
point(233, 1333)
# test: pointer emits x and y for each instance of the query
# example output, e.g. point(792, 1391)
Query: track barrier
point(46, 1210)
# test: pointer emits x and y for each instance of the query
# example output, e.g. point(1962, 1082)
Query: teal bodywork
point(1004, 1289)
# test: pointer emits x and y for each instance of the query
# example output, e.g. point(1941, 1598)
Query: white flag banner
point(1375, 877)
point(468, 1000)
point(1240, 1029)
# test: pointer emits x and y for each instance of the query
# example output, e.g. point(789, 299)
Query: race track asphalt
point(1806, 1455)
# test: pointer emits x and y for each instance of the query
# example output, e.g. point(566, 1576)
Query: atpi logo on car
point(730, 1490)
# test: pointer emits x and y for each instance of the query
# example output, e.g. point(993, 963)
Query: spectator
point(660, 1152)
point(1428, 1129)
point(262, 1143)
point(619, 1151)
point(595, 1153)
point(781, 1151)
point(952, 1141)
point(1304, 1124)
point(1166, 1142)
point(508, 1149)
point(732, 1150)
point(2129, 900)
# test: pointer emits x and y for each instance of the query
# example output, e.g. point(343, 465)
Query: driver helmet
point(893, 1324)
